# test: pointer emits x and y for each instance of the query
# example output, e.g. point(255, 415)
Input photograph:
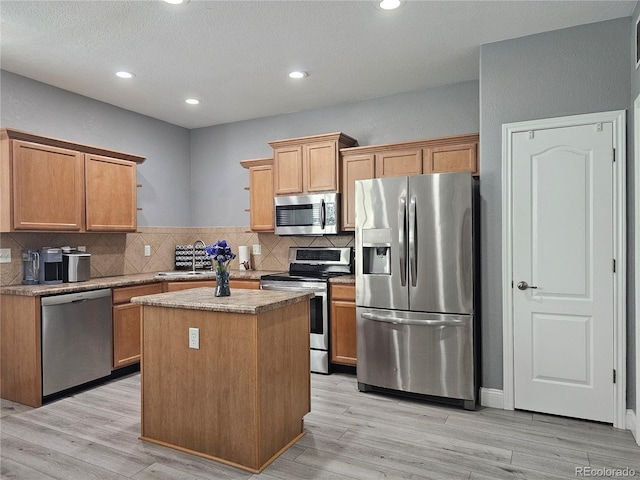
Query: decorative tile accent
point(115, 254)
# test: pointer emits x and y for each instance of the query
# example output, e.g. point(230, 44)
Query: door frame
point(618, 118)
point(636, 138)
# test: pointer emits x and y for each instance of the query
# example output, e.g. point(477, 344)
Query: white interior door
point(563, 248)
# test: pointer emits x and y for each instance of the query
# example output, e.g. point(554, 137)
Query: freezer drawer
point(430, 354)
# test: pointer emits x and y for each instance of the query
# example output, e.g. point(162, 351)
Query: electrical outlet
point(257, 249)
point(194, 338)
point(5, 255)
point(82, 248)
point(147, 250)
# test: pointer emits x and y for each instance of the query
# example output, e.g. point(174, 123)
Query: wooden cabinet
point(395, 163)
point(343, 324)
point(48, 187)
point(354, 167)
point(242, 283)
point(308, 164)
point(21, 350)
point(451, 158)
point(48, 184)
point(108, 179)
point(176, 286)
point(126, 318)
point(437, 155)
point(260, 193)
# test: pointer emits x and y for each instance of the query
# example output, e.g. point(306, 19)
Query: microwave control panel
point(330, 211)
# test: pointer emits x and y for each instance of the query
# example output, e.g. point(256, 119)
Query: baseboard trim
point(632, 424)
point(492, 397)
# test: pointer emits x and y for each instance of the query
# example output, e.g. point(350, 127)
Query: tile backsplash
point(123, 253)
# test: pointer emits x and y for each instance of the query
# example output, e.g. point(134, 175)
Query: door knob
point(524, 285)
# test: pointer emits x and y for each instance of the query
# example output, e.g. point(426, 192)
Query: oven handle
point(290, 289)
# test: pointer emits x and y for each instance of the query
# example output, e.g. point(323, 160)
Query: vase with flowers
point(221, 254)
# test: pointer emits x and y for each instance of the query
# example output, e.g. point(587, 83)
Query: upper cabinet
point(107, 177)
point(47, 185)
point(260, 193)
point(308, 164)
point(437, 155)
point(54, 185)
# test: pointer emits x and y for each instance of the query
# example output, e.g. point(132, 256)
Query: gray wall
point(572, 71)
point(216, 151)
point(165, 175)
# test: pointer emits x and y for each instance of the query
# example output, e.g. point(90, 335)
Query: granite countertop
point(240, 300)
point(348, 279)
point(120, 281)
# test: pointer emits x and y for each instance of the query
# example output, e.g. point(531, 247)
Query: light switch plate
point(147, 250)
point(257, 250)
point(5, 255)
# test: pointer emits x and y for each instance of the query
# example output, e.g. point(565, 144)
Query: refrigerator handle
point(402, 235)
point(408, 321)
point(413, 254)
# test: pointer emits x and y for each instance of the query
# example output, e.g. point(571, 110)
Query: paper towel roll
point(244, 259)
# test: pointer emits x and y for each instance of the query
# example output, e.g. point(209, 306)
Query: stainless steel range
point(309, 271)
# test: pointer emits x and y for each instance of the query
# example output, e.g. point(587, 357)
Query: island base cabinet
point(238, 399)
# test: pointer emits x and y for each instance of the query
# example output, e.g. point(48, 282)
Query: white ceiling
point(235, 55)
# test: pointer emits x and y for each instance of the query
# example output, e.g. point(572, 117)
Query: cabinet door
point(48, 187)
point(451, 158)
point(354, 167)
point(396, 163)
point(287, 170)
point(126, 334)
point(343, 325)
point(320, 167)
point(261, 198)
point(111, 194)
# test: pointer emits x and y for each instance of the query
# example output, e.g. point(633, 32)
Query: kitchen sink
point(188, 273)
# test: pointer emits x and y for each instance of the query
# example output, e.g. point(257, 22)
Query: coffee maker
point(30, 267)
point(50, 265)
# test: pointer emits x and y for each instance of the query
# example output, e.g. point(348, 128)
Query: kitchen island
point(240, 397)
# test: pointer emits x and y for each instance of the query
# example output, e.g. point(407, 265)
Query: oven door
point(318, 315)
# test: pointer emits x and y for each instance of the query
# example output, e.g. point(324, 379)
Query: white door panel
point(563, 249)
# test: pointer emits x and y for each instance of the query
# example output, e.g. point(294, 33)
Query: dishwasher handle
point(75, 297)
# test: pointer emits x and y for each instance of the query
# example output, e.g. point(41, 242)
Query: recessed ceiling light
point(192, 101)
point(123, 74)
point(176, 2)
point(298, 74)
point(390, 4)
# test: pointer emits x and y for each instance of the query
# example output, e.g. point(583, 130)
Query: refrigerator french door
point(415, 285)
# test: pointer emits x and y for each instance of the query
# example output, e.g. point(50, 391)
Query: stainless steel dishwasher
point(76, 339)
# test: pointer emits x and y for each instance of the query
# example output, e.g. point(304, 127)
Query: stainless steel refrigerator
point(415, 285)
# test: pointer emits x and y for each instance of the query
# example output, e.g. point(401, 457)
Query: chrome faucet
point(193, 260)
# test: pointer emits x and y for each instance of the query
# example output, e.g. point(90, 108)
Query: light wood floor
point(350, 435)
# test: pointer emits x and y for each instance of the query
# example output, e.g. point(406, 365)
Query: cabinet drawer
point(244, 283)
point(124, 294)
point(343, 292)
point(175, 286)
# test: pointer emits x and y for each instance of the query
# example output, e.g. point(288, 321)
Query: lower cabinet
point(126, 323)
point(343, 324)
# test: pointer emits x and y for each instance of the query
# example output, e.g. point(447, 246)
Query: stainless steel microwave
point(317, 214)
